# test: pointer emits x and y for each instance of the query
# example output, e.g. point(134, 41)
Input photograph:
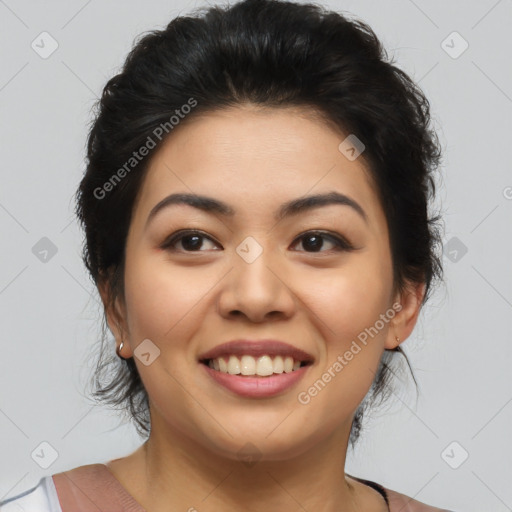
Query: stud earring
point(397, 348)
point(119, 348)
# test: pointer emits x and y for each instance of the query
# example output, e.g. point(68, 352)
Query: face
point(316, 278)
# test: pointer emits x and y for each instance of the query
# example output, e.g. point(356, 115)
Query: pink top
point(93, 487)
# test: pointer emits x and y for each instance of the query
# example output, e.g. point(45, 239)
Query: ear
point(115, 314)
point(407, 305)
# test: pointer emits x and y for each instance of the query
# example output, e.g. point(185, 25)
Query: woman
point(256, 215)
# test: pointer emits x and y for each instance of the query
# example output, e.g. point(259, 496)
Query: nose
point(258, 291)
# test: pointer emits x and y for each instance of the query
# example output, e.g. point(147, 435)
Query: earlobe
point(402, 324)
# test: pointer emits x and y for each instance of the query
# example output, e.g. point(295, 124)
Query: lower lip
point(257, 387)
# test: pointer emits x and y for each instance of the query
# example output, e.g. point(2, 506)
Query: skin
point(187, 302)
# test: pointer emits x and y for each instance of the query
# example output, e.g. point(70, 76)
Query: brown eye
point(314, 241)
point(191, 241)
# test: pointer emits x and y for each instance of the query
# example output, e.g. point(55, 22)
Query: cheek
point(348, 314)
point(163, 306)
point(161, 301)
point(348, 307)
point(350, 300)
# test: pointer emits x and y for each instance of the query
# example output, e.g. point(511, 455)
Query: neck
point(176, 473)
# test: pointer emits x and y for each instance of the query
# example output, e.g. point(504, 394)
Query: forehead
point(255, 159)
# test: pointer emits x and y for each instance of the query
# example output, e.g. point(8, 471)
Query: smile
point(256, 386)
point(263, 366)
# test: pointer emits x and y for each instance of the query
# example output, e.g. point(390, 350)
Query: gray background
point(49, 311)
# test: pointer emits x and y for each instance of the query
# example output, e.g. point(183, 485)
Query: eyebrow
point(293, 207)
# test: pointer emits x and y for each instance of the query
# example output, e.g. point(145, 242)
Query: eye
point(315, 241)
point(191, 241)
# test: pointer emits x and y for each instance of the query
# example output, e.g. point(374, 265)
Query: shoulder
point(42, 497)
point(401, 502)
point(398, 502)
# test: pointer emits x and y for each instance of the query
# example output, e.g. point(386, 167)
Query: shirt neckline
point(128, 500)
point(374, 485)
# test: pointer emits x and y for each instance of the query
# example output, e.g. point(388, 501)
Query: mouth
point(257, 368)
point(249, 366)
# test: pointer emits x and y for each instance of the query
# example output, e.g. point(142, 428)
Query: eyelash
point(341, 244)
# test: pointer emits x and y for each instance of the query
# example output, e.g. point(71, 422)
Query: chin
point(252, 443)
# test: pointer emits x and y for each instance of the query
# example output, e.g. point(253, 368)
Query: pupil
point(317, 244)
point(194, 245)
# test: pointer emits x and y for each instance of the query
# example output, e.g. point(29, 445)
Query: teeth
point(247, 365)
point(233, 365)
point(264, 366)
point(278, 364)
point(223, 365)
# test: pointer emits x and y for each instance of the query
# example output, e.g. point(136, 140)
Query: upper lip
point(257, 348)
